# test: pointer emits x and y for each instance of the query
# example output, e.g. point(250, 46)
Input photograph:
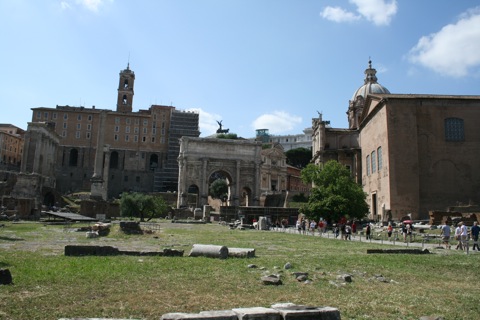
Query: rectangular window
point(79, 117)
point(117, 120)
point(115, 137)
point(126, 137)
point(154, 131)
point(374, 163)
point(45, 115)
point(79, 126)
point(88, 135)
point(135, 138)
point(145, 122)
point(145, 130)
point(77, 134)
point(39, 115)
point(367, 162)
point(65, 116)
point(127, 121)
point(54, 115)
point(379, 157)
point(64, 133)
point(64, 125)
point(144, 139)
point(153, 139)
point(162, 139)
point(89, 117)
point(454, 130)
point(137, 121)
point(89, 127)
point(127, 129)
point(117, 128)
point(136, 130)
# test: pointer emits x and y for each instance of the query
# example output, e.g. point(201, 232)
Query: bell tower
point(125, 90)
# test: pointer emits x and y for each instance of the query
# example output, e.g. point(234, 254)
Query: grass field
point(49, 285)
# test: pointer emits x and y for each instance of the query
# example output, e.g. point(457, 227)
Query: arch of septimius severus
point(202, 159)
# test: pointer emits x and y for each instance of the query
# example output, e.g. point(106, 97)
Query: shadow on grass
point(11, 239)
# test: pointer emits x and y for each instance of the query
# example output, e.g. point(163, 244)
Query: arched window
point(454, 129)
point(124, 99)
point(125, 84)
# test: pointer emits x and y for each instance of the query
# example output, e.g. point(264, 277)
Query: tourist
point(313, 226)
point(354, 228)
point(474, 234)
point(348, 231)
point(404, 232)
point(299, 226)
point(445, 233)
point(368, 231)
point(458, 237)
point(284, 224)
point(336, 230)
point(463, 235)
point(389, 231)
point(320, 227)
point(410, 231)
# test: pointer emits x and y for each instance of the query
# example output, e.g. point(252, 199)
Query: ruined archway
point(237, 160)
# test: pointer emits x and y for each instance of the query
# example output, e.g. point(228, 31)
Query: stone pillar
point(203, 192)
point(182, 192)
point(97, 190)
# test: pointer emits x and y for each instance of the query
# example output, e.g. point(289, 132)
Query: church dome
point(371, 85)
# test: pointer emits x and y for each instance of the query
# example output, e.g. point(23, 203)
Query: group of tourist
point(461, 235)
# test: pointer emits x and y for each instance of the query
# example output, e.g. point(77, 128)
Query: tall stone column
point(203, 192)
point(97, 191)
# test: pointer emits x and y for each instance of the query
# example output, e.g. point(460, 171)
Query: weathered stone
point(204, 315)
point(431, 318)
point(211, 251)
point(252, 266)
point(298, 274)
point(172, 253)
point(399, 251)
point(345, 277)
point(241, 252)
point(5, 276)
point(257, 313)
point(287, 266)
point(301, 278)
point(271, 280)
point(72, 250)
point(291, 311)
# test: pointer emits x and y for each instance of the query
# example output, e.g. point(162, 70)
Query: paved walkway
point(380, 238)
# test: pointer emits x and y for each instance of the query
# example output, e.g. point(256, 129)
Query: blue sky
point(253, 64)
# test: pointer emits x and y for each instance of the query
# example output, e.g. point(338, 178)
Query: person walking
point(445, 233)
point(458, 237)
point(368, 231)
point(474, 234)
point(389, 231)
point(463, 235)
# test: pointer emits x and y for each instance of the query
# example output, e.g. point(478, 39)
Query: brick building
point(412, 153)
point(122, 149)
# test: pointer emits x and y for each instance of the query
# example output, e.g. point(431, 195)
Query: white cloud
point(337, 14)
point(454, 49)
point(90, 5)
point(207, 121)
point(277, 122)
point(93, 5)
point(379, 12)
point(65, 5)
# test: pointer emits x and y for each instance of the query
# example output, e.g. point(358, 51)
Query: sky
point(251, 64)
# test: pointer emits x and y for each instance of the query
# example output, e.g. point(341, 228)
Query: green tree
point(334, 195)
point(218, 189)
point(142, 206)
point(232, 136)
point(299, 157)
